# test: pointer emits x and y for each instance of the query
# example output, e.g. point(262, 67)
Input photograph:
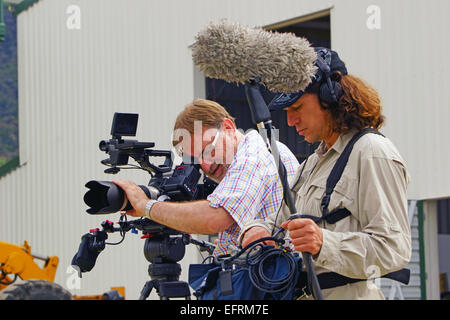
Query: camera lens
point(103, 197)
point(106, 197)
point(103, 145)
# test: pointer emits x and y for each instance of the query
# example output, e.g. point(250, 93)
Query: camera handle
point(145, 163)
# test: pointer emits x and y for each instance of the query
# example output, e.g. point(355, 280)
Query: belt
point(328, 280)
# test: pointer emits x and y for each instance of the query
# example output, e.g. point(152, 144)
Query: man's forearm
point(190, 217)
point(196, 217)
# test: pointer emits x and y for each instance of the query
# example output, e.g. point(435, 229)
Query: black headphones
point(330, 91)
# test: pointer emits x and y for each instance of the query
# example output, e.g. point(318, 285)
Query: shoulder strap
point(339, 167)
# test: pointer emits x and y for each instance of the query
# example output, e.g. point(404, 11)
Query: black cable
point(208, 258)
point(131, 166)
point(258, 265)
point(250, 245)
point(121, 231)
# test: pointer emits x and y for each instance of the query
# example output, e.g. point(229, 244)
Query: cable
point(261, 271)
point(260, 266)
point(121, 231)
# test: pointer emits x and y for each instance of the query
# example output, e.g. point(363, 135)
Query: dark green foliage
point(8, 92)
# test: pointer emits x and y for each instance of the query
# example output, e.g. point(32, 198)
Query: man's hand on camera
point(136, 197)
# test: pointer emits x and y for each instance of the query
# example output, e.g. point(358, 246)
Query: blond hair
point(209, 113)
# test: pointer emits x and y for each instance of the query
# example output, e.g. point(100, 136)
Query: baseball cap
point(332, 60)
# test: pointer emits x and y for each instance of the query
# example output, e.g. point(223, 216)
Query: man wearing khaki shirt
point(375, 239)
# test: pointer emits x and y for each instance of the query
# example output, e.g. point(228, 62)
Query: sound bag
point(270, 274)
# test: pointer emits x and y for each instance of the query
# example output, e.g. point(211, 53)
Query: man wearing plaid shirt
point(248, 183)
point(251, 188)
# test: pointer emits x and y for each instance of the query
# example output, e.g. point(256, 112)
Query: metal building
point(79, 61)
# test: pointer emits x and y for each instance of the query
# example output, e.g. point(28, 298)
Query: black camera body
point(179, 184)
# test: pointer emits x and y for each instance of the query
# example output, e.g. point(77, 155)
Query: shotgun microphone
point(232, 52)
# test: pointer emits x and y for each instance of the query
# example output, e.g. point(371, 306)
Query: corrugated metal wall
point(132, 56)
point(403, 61)
point(395, 290)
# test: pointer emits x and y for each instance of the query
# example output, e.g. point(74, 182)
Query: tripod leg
point(172, 289)
point(149, 285)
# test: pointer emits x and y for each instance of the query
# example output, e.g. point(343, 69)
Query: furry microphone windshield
point(235, 53)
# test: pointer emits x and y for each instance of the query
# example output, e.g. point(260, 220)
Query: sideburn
point(330, 120)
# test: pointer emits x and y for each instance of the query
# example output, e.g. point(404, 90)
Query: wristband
point(148, 207)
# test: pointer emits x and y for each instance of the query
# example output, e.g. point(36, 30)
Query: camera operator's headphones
point(330, 90)
point(323, 83)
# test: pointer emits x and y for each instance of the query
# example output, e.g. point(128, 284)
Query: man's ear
point(228, 124)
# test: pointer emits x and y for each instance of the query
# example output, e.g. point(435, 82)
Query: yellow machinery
point(119, 290)
point(18, 261)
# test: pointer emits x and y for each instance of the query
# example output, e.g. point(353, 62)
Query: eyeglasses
point(206, 154)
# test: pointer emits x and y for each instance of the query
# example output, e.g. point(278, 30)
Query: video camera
point(180, 184)
point(164, 247)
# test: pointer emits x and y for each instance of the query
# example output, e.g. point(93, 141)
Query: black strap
point(328, 280)
point(337, 171)
point(335, 175)
point(331, 217)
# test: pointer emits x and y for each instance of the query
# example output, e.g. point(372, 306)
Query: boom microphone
point(282, 62)
point(232, 52)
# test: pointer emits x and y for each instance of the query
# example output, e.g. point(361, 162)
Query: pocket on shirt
point(344, 194)
point(309, 198)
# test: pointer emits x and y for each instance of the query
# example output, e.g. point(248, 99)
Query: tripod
point(165, 279)
point(163, 252)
